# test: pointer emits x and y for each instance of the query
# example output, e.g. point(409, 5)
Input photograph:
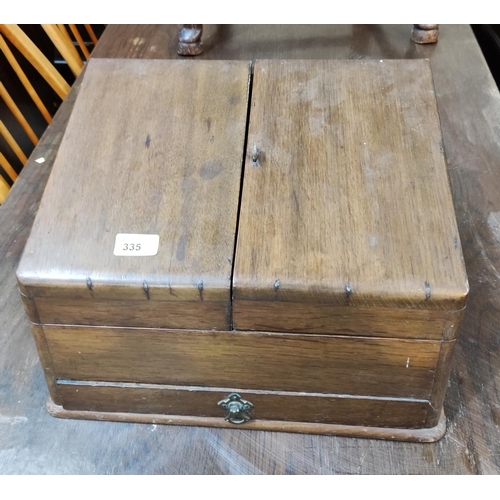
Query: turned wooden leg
point(425, 33)
point(190, 43)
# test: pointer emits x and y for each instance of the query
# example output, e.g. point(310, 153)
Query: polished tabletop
point(31, 441)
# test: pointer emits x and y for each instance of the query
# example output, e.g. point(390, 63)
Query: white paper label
point(136, 245)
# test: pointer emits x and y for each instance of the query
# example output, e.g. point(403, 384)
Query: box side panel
point(440, 382)
point(345, 320)
point(46, 361)
point(136, 313)
point(248, 360)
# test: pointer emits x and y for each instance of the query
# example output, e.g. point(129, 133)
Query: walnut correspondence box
point(269, 246)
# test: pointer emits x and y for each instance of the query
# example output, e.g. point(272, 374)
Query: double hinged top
point(346, 210)
point(346, 200)
point(153, 147)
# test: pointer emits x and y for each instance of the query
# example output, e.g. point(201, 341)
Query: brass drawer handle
point(238, 409)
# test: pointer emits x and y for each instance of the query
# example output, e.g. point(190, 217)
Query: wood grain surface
point(426, 435)
point(152, 147)
point(293, 362)
point(191, 401)
point(349, 201)
point(31, 441)
point(328, 319)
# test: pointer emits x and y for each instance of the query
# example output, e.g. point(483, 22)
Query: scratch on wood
point(296, 201)
point(427, 287)
point(145, 287)
point(171, 291)
point(200, 289)
point(348, 292)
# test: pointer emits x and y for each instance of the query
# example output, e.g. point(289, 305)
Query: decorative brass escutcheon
point(238, 409)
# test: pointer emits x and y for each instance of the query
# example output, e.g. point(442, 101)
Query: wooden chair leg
point(190, 43)
point(425, 33)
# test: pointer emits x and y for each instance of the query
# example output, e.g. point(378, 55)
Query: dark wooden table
point(31, 441)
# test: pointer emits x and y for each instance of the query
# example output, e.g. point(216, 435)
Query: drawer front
point(276, 406)
point(248, 360)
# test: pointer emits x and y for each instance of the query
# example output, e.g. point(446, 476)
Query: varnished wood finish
point(328, 319)
point(169, 164)
point(45, 360)
point(267, 405)
point(340, 365)
point(441, 377)
point(135, 313)
point(340, 207)
point(391, 434)
point(33, 442)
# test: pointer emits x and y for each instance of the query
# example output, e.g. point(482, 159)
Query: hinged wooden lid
point(152, 147)
point(346, 199)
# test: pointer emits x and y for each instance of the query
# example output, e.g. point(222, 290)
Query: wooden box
point(269, 245)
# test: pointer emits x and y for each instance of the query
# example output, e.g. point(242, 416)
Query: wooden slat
point(18, 115)
point(4, 189)
point(64, 47)
point(4, 132)
point(70, 43)
point(7, 167)
point(285, 362)
point(24, 80)
point(29, 50)
point(79, 39)
point(91, 33)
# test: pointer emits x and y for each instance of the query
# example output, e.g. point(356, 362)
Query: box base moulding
point(429, 435)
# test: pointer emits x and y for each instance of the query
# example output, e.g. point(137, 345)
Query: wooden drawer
point(247, 360)
point(267, 405)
